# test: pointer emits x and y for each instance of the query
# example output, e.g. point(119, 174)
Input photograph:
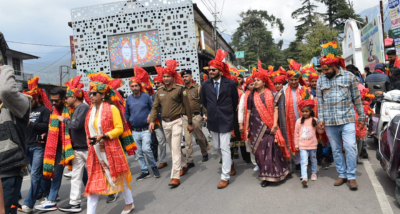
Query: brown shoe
point(233, 171)
point(340, 181)
point(353, 184)
point(184, 170)
point(162, 165)
point(174, 182)
point(222, 184)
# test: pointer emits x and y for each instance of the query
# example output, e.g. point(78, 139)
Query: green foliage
point(311, 46)
point(305, 16)
point(255, 37)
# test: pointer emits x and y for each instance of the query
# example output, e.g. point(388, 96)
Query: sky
point(46, 22)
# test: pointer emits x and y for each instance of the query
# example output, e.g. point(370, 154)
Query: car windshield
point(394, 124)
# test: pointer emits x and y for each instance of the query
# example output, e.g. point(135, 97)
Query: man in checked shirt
point(337, 94)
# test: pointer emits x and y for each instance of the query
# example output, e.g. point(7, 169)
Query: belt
point(171, 119)
point(140, 130)
point(196, 113)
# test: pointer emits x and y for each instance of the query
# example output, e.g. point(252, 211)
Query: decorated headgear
point(142, 78)
point(279, 79)
point(171, 70)
point(293, 73)
point(268, 72)
point(159, 77)
point(234, 78)
point(217, 63)
point(331, 57)
point(293, 65)
point(314, 76)
point(306, 101)
point(249, 80)
point(263, 76)
point(75, 89)
point(35, 92)
point(104, 84)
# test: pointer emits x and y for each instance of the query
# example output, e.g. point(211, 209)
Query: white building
point(15, 59)
point(351, 45)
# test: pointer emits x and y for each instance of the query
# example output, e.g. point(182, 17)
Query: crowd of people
point(279, 120)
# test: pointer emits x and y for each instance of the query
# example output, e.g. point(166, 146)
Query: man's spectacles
point(212, 69)
point(92, 93)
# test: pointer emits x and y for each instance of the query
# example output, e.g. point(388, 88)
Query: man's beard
point(218, 75)
point(330, 76)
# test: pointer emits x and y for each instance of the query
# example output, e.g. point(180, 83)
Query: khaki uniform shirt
point(194, 95)
point(173, 103)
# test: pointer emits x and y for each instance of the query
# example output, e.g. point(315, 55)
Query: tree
point(305, 16)
point(311, 46)
point(254, 37)
point(338, 11)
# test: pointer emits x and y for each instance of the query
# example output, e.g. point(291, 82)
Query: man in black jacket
point(76, 124)
point(220, 98)
point(38, 125)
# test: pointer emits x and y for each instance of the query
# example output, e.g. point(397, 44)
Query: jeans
point(11, 191)
point(143, 142)
point(324, 151)
point(35, 157)
point(304, 161)
point(58, 174)
point(339, 136)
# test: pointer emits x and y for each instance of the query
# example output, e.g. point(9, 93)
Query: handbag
point(12, 150)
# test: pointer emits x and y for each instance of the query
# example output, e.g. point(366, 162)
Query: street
point(198, 191)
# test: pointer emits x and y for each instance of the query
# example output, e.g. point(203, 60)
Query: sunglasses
point(212, 69)
point(92, 93)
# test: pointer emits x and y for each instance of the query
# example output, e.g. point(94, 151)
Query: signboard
point(72, 46)
point(134, 49)
point(372, 43)
point(394, 13)
point(397, 44)
point(207, 43)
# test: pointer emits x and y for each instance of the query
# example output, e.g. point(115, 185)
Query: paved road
point(198, 191)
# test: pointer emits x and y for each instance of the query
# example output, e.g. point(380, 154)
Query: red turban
point(249, 80)
point(280, 79)
point(171, 70)
point(263, 76)
point(331, 57)
point(34, 91)
point(217, 63)
point(307, 103)
point(159, 77)
point(313, 76)
point(142, 78)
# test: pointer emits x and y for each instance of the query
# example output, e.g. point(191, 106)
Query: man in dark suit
point(221, 100)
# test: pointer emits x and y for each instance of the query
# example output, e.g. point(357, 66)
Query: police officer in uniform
point(193, 93)
point(174, 102)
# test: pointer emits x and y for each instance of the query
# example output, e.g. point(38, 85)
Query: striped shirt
point(336, 97)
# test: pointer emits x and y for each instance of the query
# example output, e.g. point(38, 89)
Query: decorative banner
point(141, 49)
point(397, 45)
point(372, 43)
point(396, 32)
point(207, 43)
point(394, 13)
point(72, 46)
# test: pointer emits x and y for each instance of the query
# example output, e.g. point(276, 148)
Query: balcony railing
point(19, 75)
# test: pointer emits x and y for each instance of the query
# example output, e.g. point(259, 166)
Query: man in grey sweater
point(76, 124)
point(17, 105)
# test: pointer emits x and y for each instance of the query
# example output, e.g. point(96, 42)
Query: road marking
point(380, 193)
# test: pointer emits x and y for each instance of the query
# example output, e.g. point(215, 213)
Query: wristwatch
point(104, 136)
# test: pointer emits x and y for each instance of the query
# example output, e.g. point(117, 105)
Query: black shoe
point(71, 208)
point(264, 184)
point(143, 176)
point(298, 167)
point(112, 198)
point(190, 165)
point(324, 164)
point(205, 158)
point(364, 154)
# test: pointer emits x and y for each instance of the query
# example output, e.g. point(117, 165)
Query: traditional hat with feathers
point(75, 89)
point(293, 65)
point(331, 57)
point(314, 76)
point(268, 72)
point(171, 70)
point(35, 92)
point(263, 76)
point(217, 63)
point(142, 78)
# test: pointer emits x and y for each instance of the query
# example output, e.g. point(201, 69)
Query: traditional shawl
point(246, 97)
point(267, 116)
point(291, 116)
point(52, 141)
point(106, 171)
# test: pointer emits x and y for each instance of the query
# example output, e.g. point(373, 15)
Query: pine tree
point(305, 16)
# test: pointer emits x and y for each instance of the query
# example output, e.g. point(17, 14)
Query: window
point(16, 65)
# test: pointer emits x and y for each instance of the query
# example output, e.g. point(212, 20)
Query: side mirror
point(377, 87)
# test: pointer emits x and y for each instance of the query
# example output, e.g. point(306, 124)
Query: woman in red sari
point(268, 144)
